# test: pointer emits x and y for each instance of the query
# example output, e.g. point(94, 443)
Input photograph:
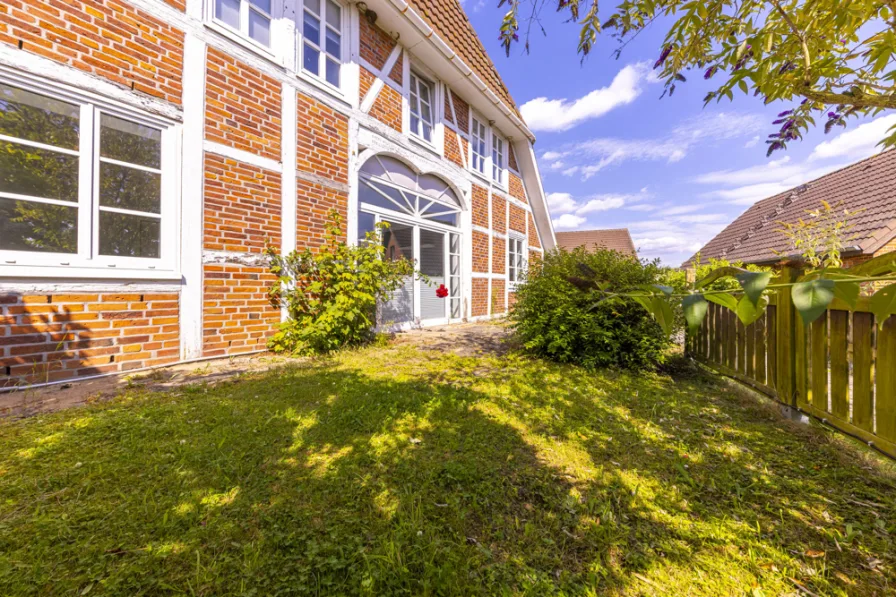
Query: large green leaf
point(694, 307)
point(883, 303)
point(662, 311)
point(724, 299)
point(722, 272)
point(748, 312)
point(754, 284)
point(848, 292)
point(812, 298)
point(667, 290)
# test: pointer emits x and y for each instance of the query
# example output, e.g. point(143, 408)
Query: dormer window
point(421, 107)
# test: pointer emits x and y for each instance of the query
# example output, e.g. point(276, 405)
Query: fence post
point(785, 336)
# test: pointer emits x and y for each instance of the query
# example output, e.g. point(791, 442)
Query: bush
point(555, 319)
point(331, 293)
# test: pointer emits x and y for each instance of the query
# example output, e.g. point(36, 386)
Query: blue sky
point(612, 154)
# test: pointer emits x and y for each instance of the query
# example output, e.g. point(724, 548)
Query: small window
point(421, 107)
point(515, 258)
point(497, 159)
point(321, 48)
point(478, 146)
point(78, 181)
point(252, 18)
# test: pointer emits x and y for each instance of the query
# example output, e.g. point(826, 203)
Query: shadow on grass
point(378, 475)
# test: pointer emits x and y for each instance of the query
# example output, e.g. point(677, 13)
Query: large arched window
point(390, 184)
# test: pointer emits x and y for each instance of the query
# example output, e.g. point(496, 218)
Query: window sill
point(481, 175)
point(86, 273)
point(312, 80)
point(245, 42)
point(428, 145)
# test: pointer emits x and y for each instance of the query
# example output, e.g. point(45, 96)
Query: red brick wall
point(452, 149)
point(498, 306)
point(499, 214)
point(322, 145)
point(242, 206)
point(480, 252)
point(517, 219)
point(365, 82)
point(533, 233)
point(511, 299)
point(314, 202)
point(108, 38)
point(242, 107)
point(480, 297)
point(480, 206)
point(237, 314)
point(887, 248)
point(517, 190)
point(387, 107)
point(511, 158)
point(499, 248)
point(48, 337)
point(463, 113)
point(376, 45)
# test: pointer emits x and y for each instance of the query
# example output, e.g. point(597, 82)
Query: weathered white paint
point(288, 202)
point(381, 77)
point(247, 157)
point(21, 286)
point(192, 198)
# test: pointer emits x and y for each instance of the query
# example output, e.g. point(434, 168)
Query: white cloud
point(568, 222)
point(551, 155)
point(858, 143)
point(752, 142)
point(559, 203)
point(543, 114)
point(603, 203)
point(590, 157)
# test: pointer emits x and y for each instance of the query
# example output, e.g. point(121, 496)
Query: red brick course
point(479, 291)
point(452, 149)
point(242, 206)
point(499, 255)
point(55, 336)
point(322, 144)
point(517, 219)
point(480, 252)
point(511, 158)
point(517, 191)
point(313, 205)
point(498, 306)
point(533, 233)
point(499, 214)
point(463, 113)
point(387, 108)
point(480, 206)
point(365, 82)
point(108, 38)
point(237, 314)
point(242, 107)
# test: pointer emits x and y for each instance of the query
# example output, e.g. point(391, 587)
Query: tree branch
point(807, 58)
point(860, 101)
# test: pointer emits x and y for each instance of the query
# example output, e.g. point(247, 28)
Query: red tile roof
point(617, 239)
point(868, 187)
point(450, 22)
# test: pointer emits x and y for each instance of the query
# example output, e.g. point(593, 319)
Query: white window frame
point(474, 136)
point(241, 35)
point(87, 262)
point(516, 266)
point(499, 167)
point(489, 168)
point(414, 90)
point(320, 80)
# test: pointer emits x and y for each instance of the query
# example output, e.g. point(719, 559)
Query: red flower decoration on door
point(441, 291)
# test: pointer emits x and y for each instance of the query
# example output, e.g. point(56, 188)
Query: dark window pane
point(129, 188)
point(130, 142)
point(124, 235)
point(334, 15)
point(334, 42)
point(313, 6)
point(450, 219)
point(42, 173)
point(228, 11)
point(260, 28)
point(311, 59)
point(373, 197)
point(38, 118)
point(312, 29)
point(333, 73)
point(32, 226)
point(264, 5)
point(366, 223)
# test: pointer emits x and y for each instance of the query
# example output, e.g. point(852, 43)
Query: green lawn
point(390, 471)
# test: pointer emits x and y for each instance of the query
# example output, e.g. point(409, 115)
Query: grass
point(392, 471)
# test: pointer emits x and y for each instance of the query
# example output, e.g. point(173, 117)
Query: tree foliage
point(830, 59)
point(331, 292)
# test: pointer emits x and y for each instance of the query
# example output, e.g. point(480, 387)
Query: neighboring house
point(867, 187)
point(151, 149)
point(617, 239)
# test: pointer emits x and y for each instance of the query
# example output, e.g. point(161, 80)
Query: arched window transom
point(390, 184)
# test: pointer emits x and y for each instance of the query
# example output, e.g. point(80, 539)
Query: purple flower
point(833, 115)
point(709, 72)
point(663, 57)
point(788, 124)
point(785, 113)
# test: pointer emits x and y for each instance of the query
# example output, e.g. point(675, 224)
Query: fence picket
point(862, 352)
point(759, 352)
point(885, 371)
point(818, 354)
point(839, 347)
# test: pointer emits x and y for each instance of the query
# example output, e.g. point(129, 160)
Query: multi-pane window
point(515, 258)
point(76, 180)
point(252, 18)
point(454, 276)
point(321, 51)
point(421, 107)
point(497, 159)
point(478, 146)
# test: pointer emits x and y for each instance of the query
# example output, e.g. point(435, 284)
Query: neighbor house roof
point(617, 239)
point(450, 22)
point(867, 187)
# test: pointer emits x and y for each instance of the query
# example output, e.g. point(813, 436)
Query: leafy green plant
point(554, 318)
point(822, 236)
point(330, 293)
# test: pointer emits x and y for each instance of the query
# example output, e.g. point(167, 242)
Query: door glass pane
point(129, 188)
point(35, 172)
point(33, 117)
point(366, 223)
point(393, 199)
point(260, 28)
point(455, 308)
point(124, 235)
point(228, 11)
point(40, 227)
point(130, 142)
point(432, 265)
point(398, 241)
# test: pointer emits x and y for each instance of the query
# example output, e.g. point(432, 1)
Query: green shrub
point(331, 293)
point(555, 319)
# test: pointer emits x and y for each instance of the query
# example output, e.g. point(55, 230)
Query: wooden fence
point(841, 368)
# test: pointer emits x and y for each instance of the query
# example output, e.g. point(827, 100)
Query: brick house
point(867, 188)
point(151, 149)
